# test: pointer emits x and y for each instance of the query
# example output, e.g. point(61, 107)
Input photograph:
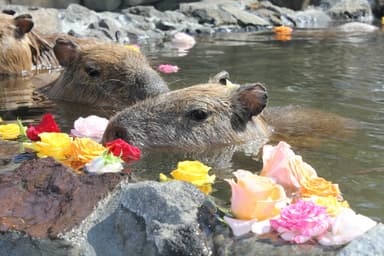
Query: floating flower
point(194, 172)
point(301, 222)
point(255, 197)
point(345, 227)
point(82, 151)
point(286, 168)
point(283, 30)
point(183, 41)
point(124, 150)
point(92, 127)
point(105, 164)
point(47, 124)
point(331, 203)
point(51, 144)
point(9, 131)
point(167, 68)
point(319, 187)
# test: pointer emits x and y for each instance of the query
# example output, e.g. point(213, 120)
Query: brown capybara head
point(196, 117)
point(103, 74)
point(15, 46)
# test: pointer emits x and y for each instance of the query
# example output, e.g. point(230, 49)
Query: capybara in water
point(106, 74)
point(21, 49)
point(193, 117)
point(209, 115)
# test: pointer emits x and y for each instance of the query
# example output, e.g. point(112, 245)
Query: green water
point(337, 74)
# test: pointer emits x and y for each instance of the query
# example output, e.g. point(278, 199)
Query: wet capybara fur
point(102, 73)
point(21, 49)
point(193, 117)
point(210, 115)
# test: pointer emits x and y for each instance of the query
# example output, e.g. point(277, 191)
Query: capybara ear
point(65, 50)
point(9, 12)
point(24, 24)
point(247, 101)
point(220, 78)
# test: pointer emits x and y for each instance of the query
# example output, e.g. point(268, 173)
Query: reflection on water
point(315, 69)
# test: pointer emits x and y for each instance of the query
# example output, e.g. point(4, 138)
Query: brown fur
point(22, 50)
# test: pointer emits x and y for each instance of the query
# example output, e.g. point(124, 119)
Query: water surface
point(340, 74)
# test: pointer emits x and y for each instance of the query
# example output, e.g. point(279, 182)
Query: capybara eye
point(92, 71)
point(198, 115)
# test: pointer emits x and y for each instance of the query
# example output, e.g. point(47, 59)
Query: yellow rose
point(52, 144)
point(82, 151)
point(319, 187)
point(255, 197)
point(333, 205)
point(9, 131)
point(194, 172)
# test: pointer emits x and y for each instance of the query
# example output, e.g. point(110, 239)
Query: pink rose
point(345, 227)
point(91, 127)
point(167, 68)
point(301, 222)
point(255, 197)
point(183, 41)
point(286, 168)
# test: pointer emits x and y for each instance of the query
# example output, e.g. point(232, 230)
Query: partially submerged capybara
point(103, 74)
point(209, 115)
point(21, 49)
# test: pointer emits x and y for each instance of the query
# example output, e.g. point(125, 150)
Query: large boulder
point(60, 4)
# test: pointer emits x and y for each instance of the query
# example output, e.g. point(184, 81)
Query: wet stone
point(43, 198)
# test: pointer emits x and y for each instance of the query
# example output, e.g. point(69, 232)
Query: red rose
point(47, 124)
point(124, 150)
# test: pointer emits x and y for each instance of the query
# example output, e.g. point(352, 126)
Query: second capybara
point(103, 74)
point(21, 49)
point(210, 115)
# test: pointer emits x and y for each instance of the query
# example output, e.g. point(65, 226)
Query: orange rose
point(255, 197)
point(82, 151)
point(319, 187)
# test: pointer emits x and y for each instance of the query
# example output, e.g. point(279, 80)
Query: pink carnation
point(301, 222)
point(167, 68)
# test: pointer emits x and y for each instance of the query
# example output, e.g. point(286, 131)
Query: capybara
point(21, 49)
point(203, 116)
point(105, 74)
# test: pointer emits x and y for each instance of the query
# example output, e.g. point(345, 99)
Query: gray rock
point(291, 4)
point(101, 5)
point(129, 3)
point(351, 10)
point(378, 8)
point(60, 4)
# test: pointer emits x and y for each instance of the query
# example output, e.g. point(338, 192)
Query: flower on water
point(124, 150)
point(331, 203)
point(183, 41)
point(287, 169)
point(255, 197)
point(194, 172)
point(92, 127)
point(9, 131)
point(82, 151)
point(47, 124)
point(105, 164)
point(283, 30)
point(302, 221)
point(345, 227)
point(167, 68)
point(51, 144)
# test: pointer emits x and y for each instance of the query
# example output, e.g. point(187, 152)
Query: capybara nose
point(113, 133)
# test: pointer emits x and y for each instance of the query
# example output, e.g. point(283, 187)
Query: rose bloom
point(47, 124)
point(255, 197)
point(167, 68)
point(183, 41)
point(319, 187)
point(331, 203)
point(9, 131)
point(51, 144)
point(301, 222)
point(345, 227)
point(124, 150)
point(287, 169)
point(82, 151)
point(105, 164)
point(196, 173)
point(91, 127)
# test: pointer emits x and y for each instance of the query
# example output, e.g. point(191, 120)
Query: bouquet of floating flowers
point(81, 150)
point(289, 198)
